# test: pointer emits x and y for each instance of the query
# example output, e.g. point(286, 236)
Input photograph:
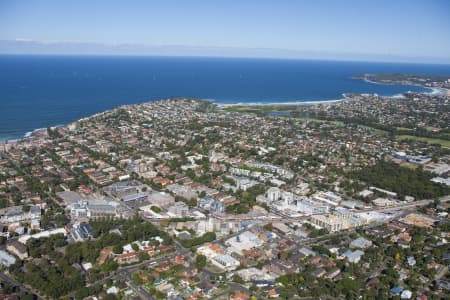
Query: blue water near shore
point(40, 91)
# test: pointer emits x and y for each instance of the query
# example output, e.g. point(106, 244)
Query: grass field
point(374, 130)
point(266, 109)
point(443, 143)
point(258, 108)
point(305, 119)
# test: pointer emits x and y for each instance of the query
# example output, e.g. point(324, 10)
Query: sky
point(382, 29)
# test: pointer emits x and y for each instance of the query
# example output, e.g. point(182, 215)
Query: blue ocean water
point(40, 91)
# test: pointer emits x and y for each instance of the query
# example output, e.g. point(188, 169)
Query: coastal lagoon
point(41, 91)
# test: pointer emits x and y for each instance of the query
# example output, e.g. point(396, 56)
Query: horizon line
point(223, 57)
point(75, 48)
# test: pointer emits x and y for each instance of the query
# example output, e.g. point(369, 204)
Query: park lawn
point(275, 108)
point(374, 130)
point(409, 165)
point(255, 108)
point(404, 129)
point(443, 143)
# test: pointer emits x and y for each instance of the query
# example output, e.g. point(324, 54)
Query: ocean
point(42, 91)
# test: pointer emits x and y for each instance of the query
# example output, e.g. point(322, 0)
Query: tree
point(136, 278)
point(27, 297)
point(156, 209)
point(238, 279)
point(111, 265)
point(200, 262)
point(401, 180)
point(207, 237)
point(143, 256)
point(117, 249)
point(268, 227)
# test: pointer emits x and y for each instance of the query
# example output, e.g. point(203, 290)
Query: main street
point(286, 219)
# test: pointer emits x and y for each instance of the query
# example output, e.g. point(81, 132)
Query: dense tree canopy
point(401, 180)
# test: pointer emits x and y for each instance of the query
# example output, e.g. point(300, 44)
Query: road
point(286, 219)
point(233, 287)
point(126, 276)
point(22, 287)
point(125, 273)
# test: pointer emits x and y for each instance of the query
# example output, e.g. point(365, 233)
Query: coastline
point(29, 134)
point(308, 102)
point(438, 91)
point(432, 91)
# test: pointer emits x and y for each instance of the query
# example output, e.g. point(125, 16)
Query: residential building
point(179, 209)
point(355, 256)
point(18, 249)
point(19, 214)
point(273, 194)
point(127, 258)
point(6, 259)
point(360, 243)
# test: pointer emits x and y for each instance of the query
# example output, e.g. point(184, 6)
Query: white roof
point(226, 259)
point(127, 248)
point(6, 259)
point(406, 294)
point(112, 290)
point(23, 239)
